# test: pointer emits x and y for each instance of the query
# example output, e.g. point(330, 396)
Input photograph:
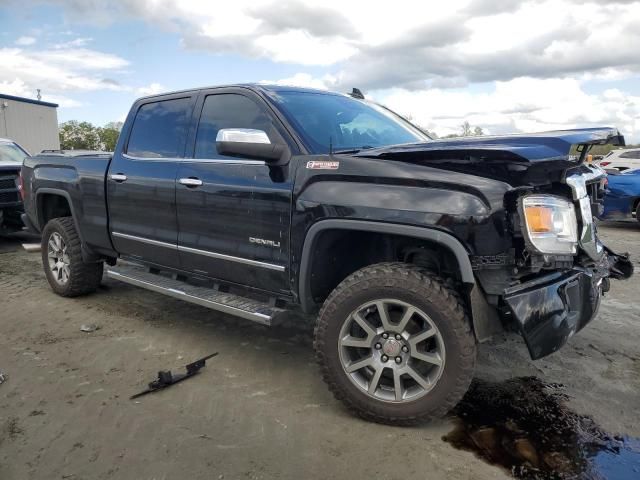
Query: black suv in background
point(11, 157)
point(252, 199)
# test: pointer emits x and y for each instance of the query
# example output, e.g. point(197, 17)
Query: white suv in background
point(622, 159)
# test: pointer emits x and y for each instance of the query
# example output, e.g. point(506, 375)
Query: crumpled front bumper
point(551, 309)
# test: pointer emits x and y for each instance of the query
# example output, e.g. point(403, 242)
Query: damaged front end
point(550, 308)
point(547, 278)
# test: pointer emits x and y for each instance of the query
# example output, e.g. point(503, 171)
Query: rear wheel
point(66, 273)
point(395, 345)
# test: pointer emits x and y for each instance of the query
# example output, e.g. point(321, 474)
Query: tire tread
point(85, 277)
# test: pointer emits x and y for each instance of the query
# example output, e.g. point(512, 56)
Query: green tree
point(109, 136)
point(76, 135)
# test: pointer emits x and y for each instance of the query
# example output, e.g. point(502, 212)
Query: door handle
point(118, 177)
point(190, 182)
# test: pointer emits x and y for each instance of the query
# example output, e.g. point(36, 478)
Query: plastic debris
point(31, 247)
point(166, 378)
point(89, 328)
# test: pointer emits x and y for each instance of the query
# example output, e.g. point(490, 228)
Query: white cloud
point(305, 80)
point(20, 89)
point(59, 70)
point(24, 41)
point(413, 44)
point(75, 43)
point(296, 46)
point(523, 104)
point(151, 89)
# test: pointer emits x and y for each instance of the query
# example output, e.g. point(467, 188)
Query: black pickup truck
point(254, 199)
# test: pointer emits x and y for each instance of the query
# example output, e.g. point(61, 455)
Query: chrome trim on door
point(221, 256)
point(190, 182)
point(157, 243)
point(118, 177)
point(223, 161)
point(206, 253)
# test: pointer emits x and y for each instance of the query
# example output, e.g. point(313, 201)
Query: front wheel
point(395, 345)
point(66, 272)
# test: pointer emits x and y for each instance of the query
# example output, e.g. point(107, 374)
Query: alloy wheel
point(58, 258)
point(391, 350)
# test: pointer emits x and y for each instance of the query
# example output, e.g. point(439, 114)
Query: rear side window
point(229, 110)
point(635, 154)
point(160, 129)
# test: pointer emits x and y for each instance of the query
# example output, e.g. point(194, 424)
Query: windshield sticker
point(323, 165)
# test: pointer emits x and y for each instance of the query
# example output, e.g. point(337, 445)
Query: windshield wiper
point(353, 150)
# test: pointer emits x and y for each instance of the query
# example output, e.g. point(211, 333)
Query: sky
point(503, 65)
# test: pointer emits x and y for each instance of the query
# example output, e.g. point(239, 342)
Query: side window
point(635, 154)
point(228, 110)
point(160, 129)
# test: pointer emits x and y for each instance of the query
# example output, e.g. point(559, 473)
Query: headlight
point(551, 225)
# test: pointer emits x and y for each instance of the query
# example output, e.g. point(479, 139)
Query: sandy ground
point(257, 411)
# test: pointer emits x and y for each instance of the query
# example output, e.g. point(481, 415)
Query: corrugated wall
point(33, 126)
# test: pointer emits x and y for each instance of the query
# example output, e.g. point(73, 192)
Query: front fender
point(484, 317)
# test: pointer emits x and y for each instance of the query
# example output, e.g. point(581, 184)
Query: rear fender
point(88, 256)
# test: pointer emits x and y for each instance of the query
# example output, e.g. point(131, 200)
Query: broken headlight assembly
point(550, 224)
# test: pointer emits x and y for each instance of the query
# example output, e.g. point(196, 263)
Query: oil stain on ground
point(524, 425)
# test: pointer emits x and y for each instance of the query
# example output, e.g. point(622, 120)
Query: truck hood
point(527, 147)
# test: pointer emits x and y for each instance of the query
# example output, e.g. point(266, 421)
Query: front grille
point(9, 190)
point(9, 197)
point(7, 183)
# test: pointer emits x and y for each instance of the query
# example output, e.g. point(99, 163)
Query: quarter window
point(228, 110)
point(635, 154)
point(160, 129)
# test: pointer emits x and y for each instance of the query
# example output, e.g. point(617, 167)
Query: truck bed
point(79, 176)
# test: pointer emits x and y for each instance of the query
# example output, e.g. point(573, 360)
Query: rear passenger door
point(234, 213)
point(141, 182)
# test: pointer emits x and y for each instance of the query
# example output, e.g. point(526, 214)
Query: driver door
point(234, 214)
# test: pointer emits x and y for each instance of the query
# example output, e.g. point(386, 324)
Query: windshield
point(343, 122)
point(12, 153)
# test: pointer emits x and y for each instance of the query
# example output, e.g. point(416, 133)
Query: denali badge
point(262, 241)
point(323, 165)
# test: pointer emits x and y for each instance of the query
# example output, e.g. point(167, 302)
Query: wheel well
point(338, 253)
point(635, 204)
point(51, 205)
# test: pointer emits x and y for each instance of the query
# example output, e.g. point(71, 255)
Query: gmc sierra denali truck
point(253, 199)
point(11, 157)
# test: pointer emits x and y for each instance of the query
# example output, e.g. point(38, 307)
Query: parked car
point(254, 199)
point(621, 160)
point(11, 157)
point(623, 195)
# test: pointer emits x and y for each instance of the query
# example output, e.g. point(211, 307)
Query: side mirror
point(249, 143)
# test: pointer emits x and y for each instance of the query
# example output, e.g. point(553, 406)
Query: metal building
point(31, 123)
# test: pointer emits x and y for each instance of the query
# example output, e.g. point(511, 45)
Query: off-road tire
point(438, 299)
point(84, 277)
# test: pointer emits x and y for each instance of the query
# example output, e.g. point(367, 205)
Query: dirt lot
point(257, 411)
